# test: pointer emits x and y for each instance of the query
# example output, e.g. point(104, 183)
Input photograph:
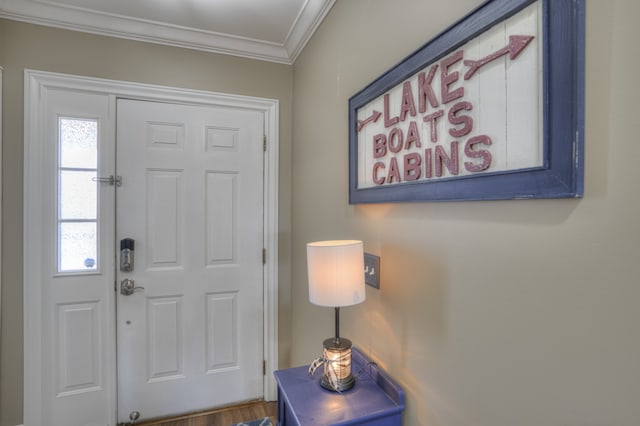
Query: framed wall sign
point(492, 108)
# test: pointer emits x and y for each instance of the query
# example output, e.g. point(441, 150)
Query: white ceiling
point(271, 30)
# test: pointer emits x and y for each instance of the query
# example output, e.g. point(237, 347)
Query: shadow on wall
point(404, 322)
point(530, 212)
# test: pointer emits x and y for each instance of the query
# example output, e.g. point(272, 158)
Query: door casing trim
point(34, 83)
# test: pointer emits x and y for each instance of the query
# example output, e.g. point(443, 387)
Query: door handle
point(128, 286)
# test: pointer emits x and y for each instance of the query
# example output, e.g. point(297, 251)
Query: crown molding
point(306, 24)
point(101, 23)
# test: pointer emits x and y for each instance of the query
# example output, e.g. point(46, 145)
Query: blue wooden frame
point(561, 175)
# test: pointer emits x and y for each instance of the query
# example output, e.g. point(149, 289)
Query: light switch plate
point(372, 270)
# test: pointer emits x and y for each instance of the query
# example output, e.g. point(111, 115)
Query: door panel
point(191, 198)
point(69, 263)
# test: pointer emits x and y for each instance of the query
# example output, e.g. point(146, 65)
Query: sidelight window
point(77, 195)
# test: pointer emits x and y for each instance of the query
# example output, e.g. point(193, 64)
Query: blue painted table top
point(375, 398)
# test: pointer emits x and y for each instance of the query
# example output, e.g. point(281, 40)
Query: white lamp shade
point(336, 273)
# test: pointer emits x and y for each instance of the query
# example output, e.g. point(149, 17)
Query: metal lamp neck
point(337, 323)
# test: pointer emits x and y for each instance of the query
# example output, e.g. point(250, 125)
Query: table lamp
point(336, 278)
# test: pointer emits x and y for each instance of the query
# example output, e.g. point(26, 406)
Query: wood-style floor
point(221, 417)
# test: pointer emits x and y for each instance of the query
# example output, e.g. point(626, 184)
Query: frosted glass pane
point(78, 247)
point(78, 195)
point(78, 143)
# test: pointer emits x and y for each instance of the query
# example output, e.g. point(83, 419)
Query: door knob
point(128, 286)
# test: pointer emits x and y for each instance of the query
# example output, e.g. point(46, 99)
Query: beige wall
point(35, 47)
point(490, 313)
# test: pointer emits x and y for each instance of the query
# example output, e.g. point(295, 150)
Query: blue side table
point(375, 400)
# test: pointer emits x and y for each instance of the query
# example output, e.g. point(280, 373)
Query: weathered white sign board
point(476, 110)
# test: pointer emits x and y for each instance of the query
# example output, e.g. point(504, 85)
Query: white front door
point(192, 200)
point(190, 335)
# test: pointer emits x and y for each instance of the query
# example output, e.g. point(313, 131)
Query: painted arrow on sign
point(517, 43)
point(373, 118)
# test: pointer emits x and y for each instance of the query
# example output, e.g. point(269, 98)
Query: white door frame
point(37, 81)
